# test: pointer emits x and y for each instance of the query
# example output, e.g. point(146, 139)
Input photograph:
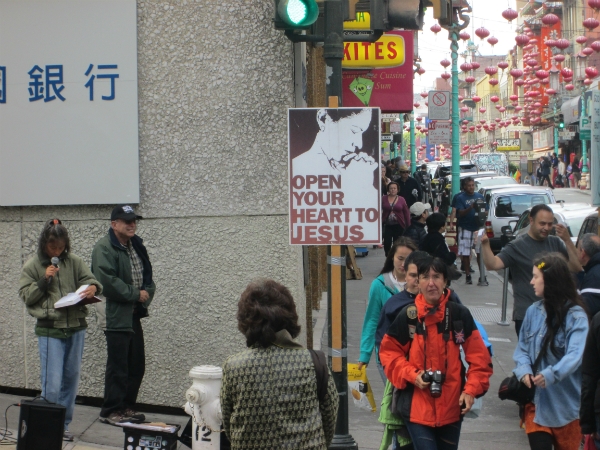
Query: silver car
point(489, 182)
point(571, 214)
point(507, 204)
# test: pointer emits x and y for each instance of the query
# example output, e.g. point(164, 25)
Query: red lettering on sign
point(378, 50)
point(366, 47)
point(392, 50)
point(346, 52)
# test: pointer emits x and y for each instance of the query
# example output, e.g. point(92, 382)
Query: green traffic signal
point(298, 13)
point(561, 121)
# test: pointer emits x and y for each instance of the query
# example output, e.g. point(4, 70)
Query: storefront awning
point(570, 110)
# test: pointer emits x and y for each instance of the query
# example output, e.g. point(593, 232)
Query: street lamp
point(555, 86)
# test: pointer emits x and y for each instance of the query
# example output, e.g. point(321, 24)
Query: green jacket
point(112, 267)
point(40, 297)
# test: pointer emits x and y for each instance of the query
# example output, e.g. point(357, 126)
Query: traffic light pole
point(333, 52)
point(555, 128)
point(584, 161)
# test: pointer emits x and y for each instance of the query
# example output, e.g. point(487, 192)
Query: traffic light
point(442, 10)
point(561, 121)
point(295, 14)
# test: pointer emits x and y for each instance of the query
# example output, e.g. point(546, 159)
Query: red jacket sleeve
point(395, 365)
point(480, 365)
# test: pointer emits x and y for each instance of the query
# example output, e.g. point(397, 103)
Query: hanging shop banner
point(595, 147)
point(68, 102)
point(508, 144)
point(379, 74)
point(334, 184)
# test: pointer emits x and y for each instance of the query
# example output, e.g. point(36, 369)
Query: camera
point(436, 379)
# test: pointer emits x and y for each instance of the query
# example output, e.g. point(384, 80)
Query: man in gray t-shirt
point(519, 254)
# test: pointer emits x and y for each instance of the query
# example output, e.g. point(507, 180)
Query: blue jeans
point(60, 364)
point(434, 438)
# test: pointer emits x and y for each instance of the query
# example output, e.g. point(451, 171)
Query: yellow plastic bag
point(360, 389)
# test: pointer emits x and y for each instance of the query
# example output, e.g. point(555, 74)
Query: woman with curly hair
point(555, 329)
point(270, 397)
point(61, 331)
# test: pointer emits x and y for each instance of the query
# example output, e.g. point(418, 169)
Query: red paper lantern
point(464, 109)
point(493, 81)
point(590, 23)
point(566, 72)
point(493, 41)
point(503, 65)
point(531, 62)
point(514, 97)
point(420, 71)
point(436, 28)
point(550, 19)
point(416, 104)
point(460, 98)
point(502, 109)
point(587, 81)
point(591, 72)
point(569, 87)
point(475, 65)
point(510, 14)
point(595, 45)
point(491, 70)
point(516, 73)
point(445, 63)
point(470, 79)
point(424, 94)
point(466, 67)
point(476, 98)
point(521, 39)
point(482, 110)
point(551, 91)
point(464, 35)
point(446, 76)
point(563, 43)
point(559, 58)
point(594, 4)
point(581, 39)
point(541, 74)
point(482, 33)
point(587, 51)
point(419, 119)
point(550, 43)
point(494, 98)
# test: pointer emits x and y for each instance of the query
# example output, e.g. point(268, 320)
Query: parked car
point(481, 183)
point(487, 191)
point(572, 214)
point(507, 204)
point(590, 225)
point(445, 168)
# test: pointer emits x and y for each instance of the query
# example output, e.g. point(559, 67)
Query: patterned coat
point(269, 399)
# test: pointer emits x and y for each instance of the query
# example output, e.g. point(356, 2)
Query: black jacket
point(435, 244)
point(589, 285)
point(416, 231)
point(406, 190)
point(590, 379)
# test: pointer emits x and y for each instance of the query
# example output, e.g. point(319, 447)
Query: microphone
point(54, 262)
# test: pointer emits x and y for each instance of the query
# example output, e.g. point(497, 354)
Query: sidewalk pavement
point(498, 426)
point(496, 429)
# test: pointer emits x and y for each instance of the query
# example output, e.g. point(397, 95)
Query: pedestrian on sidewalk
point(270, 396)
point(395, 216)
point(552, 339)
point(518, 256)
point(576, 169)
point(546, 168)
point(418, 216)
point(435, 242)
point(390, 281)
point(467, 223)
point(409, 188)
point(588, 280)
point(589, 416)
point(423, 361)
point(61, 332)
point(120, 260)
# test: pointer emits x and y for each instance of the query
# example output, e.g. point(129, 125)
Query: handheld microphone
point(54, 262)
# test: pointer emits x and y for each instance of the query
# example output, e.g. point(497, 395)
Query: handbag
point(512, 389)
point(392, 219)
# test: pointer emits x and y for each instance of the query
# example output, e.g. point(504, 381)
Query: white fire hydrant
point(204, 405)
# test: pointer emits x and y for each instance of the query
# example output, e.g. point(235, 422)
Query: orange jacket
point(403, 358)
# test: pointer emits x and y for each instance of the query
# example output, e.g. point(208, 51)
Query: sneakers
point(468, 280)
point(134, 415)
point(68, 436)
point(127, 415)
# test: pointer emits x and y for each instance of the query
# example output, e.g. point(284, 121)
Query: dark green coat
point(112, 267)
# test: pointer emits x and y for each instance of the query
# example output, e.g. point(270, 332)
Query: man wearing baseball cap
point(418, 215)
point(121, 260)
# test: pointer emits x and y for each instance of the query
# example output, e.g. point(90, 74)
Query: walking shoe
point(114, 417)
point(134, 416)
point(468, 280)
point(68, 436)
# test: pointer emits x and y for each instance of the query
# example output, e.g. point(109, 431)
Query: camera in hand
point(436, 379)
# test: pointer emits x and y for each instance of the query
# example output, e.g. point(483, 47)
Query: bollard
point(482, 278)
point(503, 320)
point(204, 405)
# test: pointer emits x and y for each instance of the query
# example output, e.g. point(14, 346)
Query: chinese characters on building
point(47, 83)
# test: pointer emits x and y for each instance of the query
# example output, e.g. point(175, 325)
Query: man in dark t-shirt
point(518, 256)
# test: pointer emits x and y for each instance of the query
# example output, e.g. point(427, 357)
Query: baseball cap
point(419, 208)
point(124, 212)
point(404, 168)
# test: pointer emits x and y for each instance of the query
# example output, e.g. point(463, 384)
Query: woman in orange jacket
point(421, 357)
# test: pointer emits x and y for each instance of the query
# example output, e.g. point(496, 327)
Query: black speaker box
point(41, 425)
